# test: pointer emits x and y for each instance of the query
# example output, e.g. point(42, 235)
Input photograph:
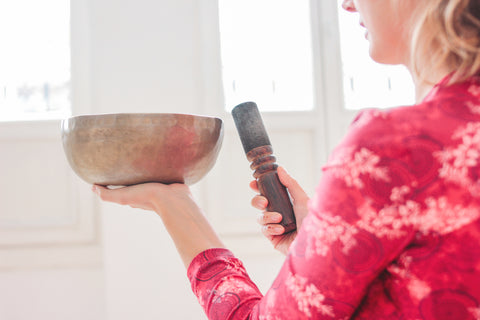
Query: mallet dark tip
point(250, 126)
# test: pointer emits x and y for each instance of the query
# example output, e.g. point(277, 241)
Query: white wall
point(74, 294)
point(147, 58)
point(144, 56)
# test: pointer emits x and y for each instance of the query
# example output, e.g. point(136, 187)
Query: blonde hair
point(446, 35)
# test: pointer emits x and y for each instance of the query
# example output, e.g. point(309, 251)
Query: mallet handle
point(260, 153)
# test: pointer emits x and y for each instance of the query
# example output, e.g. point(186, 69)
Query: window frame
point(45, 115)
point(74, 243)
point(325, 124)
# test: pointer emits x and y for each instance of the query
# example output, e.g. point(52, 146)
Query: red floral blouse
point(393, 229)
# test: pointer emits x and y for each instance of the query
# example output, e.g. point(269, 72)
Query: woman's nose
point(349, 6)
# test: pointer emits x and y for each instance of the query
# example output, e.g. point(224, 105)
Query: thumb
point(295, 190)
point(102, 192)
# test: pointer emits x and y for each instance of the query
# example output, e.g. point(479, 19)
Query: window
point(366, 83)
point(266, 53)
point(35, 59)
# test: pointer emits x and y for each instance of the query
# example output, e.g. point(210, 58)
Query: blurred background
point(65, 255)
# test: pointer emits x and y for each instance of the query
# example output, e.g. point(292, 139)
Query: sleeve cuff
point(205, 258)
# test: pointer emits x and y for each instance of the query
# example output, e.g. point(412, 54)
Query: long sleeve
point(336, 256)
point(389, 230)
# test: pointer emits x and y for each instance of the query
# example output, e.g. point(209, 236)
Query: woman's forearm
point(174, 203)
point(189, 228)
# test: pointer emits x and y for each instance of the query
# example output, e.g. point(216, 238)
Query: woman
point(393, 230)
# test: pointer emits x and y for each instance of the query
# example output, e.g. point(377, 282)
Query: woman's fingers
point(259, 202)
point(273, 230)
point(294, 188)
point(270, 223)
point(254, 185)
point(266, 218)
point(137, 196)
point(292, 185)
point(103, 193)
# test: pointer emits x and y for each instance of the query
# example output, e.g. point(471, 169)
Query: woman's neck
point(424, 86)
point(421, 91)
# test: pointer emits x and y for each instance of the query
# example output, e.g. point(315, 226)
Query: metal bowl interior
point(133, 148)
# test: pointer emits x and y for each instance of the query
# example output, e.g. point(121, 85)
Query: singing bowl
point(132, 148)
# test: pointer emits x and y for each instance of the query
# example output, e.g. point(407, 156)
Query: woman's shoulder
point(387, 129)
point(438, 138)
point(444, 113)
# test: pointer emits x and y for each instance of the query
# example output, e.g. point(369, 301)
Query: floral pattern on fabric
point(393, 230)
point(327, 231)
point(350, 165)
point(458, 161)
point(307, 296)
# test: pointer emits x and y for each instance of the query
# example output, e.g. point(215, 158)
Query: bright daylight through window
point(367, 84)
point(35, 59)
point(267, 57)
point(267, 53)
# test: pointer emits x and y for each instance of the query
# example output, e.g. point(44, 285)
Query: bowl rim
point(84, 120)
point(140, 114)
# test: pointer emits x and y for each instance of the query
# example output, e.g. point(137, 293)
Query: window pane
point(366, 83)
point(35, 59)
point(267, 54)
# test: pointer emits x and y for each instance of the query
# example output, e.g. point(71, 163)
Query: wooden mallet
point(259, 152)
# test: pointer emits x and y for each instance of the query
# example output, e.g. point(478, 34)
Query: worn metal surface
point(132, 148)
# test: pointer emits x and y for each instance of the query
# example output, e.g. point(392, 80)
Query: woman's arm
point(354, 230)
point(183, 219)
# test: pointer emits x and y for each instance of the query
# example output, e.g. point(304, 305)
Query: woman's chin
point(382, 57)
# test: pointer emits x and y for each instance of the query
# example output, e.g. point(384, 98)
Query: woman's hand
point(148, 196)
point(270, 220)
point(183, 219)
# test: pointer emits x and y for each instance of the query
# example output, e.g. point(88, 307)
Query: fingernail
point(278, 229)
point(95, 190)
